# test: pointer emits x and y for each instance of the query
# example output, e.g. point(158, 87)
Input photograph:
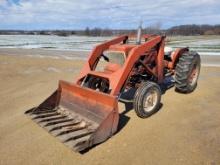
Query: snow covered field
point(205, 45)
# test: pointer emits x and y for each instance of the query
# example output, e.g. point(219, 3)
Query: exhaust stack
point(138, 42)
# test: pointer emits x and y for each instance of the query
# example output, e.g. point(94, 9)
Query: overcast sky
point(78, 14)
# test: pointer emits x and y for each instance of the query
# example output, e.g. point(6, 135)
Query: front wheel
point(147, 99)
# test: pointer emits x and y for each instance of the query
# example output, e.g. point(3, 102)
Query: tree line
point(155, 29)
point(194, 30)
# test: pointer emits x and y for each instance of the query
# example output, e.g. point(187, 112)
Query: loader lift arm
point(118, 78)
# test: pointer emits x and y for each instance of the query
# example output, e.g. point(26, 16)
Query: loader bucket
point(78, 116)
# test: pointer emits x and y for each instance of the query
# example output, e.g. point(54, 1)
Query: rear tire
point(187, 72)
point(147, 99)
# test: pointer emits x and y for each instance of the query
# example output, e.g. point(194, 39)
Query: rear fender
point(175, 56)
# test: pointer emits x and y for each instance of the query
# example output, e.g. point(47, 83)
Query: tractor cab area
point(113, 58)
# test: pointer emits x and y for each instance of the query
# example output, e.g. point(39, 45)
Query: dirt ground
point(186, 130)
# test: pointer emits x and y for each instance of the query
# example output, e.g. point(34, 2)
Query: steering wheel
point(105, 57)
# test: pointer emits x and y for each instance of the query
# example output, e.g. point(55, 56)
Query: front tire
point(187, 72)
point(147, 99)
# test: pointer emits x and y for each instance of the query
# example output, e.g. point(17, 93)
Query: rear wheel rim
point(150, 100)
point(194, 75)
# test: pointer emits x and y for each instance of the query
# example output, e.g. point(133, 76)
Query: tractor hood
point(124, 48)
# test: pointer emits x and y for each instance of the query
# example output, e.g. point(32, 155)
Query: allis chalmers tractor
point(85, 113)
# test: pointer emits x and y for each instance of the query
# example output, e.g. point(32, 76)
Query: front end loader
point(85, 113)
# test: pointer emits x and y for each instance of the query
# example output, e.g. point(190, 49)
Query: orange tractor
point(85, 113)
